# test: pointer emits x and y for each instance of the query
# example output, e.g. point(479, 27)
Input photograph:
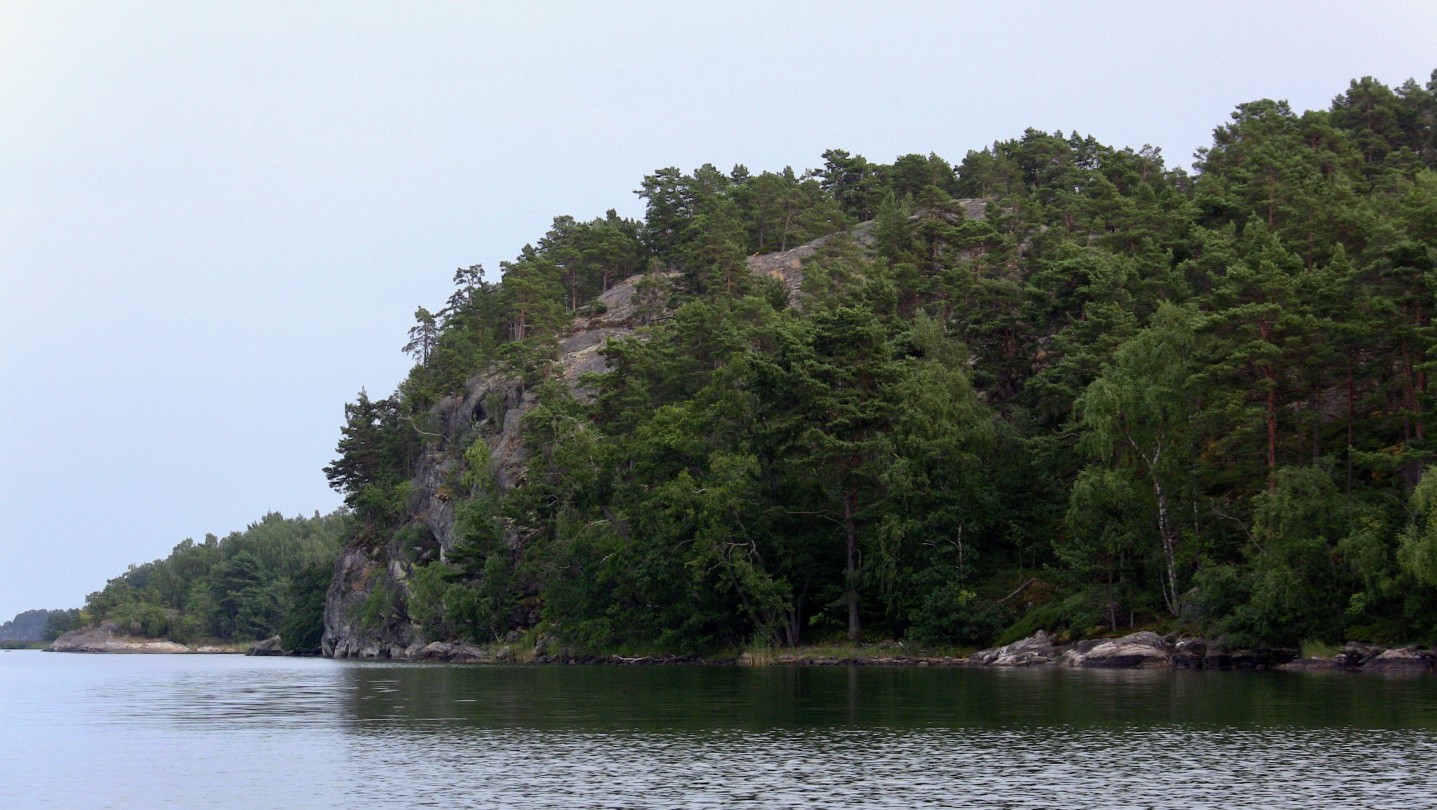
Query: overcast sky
point(217, 219)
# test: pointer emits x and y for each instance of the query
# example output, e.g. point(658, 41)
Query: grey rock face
point(787, 266)
point(359, 573)
point(490, 410)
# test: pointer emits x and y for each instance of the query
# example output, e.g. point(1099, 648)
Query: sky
point(217, 219)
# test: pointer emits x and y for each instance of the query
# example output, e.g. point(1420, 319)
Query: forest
point(1054, 385)
point(269, 579)
point(1141, 396)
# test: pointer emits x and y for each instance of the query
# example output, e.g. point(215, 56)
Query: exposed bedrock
point(107, 639)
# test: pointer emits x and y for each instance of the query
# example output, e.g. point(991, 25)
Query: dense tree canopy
point(1136, 394)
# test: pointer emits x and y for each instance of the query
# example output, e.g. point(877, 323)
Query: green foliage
point(61, 622)
point(30, 625)
point(951, 615)
point(1418, 550)
point(303, 625)
point(1196, 401)
point(1072, 616)
point(249, 585)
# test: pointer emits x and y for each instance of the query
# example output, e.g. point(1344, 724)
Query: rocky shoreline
point(1142, 650)
point(108, 639)
point(1148, 650)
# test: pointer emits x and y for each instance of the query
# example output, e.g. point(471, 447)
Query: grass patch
point(1319, 649)
point(23, 645)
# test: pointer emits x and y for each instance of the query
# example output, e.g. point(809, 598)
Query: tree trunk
point(1112, 606)
point(1165, 531)
point(851, 571)
point(1170, 592)
point(793, 617)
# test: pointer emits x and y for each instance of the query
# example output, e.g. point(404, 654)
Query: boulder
point(1189, 652)
point(1356, 654)
point(434, 651)
point(1403, 659)
point(471, 654)
point(1033, 651)
point(1144, 650)
point(270, 646)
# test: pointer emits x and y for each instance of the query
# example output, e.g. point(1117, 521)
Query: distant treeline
point(266, 580)
point(27, 626)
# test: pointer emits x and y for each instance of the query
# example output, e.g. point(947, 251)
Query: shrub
point(951, 615)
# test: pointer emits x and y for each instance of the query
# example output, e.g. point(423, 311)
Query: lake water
point(79, 731)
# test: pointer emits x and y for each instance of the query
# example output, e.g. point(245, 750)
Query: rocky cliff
point(491, 407)
point(365, 610)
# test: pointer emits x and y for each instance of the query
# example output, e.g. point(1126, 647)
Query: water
point(82, 731)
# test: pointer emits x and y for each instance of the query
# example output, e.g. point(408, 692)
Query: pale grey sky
point(216, 219)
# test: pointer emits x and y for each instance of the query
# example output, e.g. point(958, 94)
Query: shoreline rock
point(1145, 650)
point(1403, 659)
point(103, 639)
point(107, 639)
point(1036, 650)
point(1141, 650)
point(269, 646)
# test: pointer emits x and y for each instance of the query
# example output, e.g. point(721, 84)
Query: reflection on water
point(230, 732)
point(680, 698)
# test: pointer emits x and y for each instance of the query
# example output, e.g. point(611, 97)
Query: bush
point(378, 607)
point(149, 620)
point(447, 607)
point(951, 615)
point(1075, 615)
point(61, 622)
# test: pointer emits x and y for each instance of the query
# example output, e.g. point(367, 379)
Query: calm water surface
point(82, 731)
